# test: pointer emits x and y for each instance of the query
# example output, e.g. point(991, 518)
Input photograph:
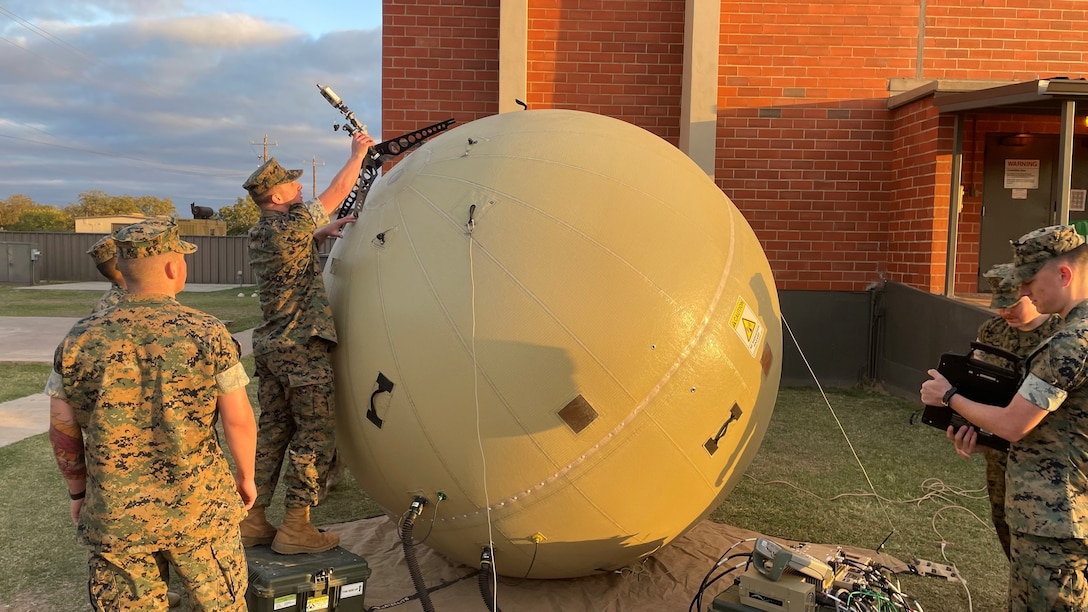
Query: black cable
point(536, 549)
point(487, 574)
point(697, 601)
point(721, 575)
point(406, 525)
point(886, 538)
point(434, 516)
point(519, 581)
point(415, 596)
point(696, 604)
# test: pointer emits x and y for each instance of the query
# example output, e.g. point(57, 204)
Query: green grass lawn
point(22, 379)
point(43, 567)
point(804, 484)
point(239, 312)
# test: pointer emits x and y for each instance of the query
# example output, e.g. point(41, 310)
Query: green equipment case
point(332, 581)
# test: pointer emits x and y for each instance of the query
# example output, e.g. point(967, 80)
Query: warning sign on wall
point(747, 326)
point(1021, 174)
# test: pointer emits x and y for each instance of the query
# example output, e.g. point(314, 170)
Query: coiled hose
point(406, 526)
point(487, 573)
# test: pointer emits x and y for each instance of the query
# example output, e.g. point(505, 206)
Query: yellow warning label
point(738, 312)
point(747, 325)
point(749, 328)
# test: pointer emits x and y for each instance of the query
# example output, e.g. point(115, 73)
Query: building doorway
point(1020, 191)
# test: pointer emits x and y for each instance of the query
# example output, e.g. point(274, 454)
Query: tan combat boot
point(296, 535)
point(256, 529)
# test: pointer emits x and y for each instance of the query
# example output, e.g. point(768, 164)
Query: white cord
point(864, 473)
point(479, 436)
point(882, 501)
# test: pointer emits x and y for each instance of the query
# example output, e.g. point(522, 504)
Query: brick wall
point(813, 183)
point(1005, 39)
point(918, 222)
point(620, 59)
point(841, 191)
point(803, 119)
point(440, 59)
point(802, 104)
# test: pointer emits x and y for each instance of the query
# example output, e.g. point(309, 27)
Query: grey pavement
point(23, 417)
point(33, 339)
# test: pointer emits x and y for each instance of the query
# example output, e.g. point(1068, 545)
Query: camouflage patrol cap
point(1037, 247)
point(270, 174)
point(1003, 292)
point(103, 250)
point(154, 236)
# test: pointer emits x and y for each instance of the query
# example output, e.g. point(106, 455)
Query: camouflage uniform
point(998, 333)
point(102, 251)
point(291, 349)
point(1047, 472)
point(110, 298)
point(143, 380)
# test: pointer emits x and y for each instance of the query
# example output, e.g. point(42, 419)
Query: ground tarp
point(667, 580)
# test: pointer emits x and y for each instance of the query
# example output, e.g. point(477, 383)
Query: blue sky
point(314, 18)
point(173, 98)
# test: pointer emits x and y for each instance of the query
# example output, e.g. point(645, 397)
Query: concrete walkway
point(33, 340)
point(24, 417)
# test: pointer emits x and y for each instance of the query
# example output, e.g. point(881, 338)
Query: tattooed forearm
point(67, 441)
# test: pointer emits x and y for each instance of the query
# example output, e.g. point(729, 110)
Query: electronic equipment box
point(333, 581)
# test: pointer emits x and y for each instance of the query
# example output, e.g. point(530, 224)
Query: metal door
point(17, 263)
point(1011, 204)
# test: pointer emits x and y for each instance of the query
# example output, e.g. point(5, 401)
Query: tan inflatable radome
point(556, 329)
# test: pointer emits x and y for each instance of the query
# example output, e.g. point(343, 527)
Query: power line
point(114, 84)
point(313, 174)
point(264, 149)
point(111, 85)
point(48, 36)
point(37, 55)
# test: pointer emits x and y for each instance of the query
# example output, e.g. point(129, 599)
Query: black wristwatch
point(948, 396)
point(79, 495)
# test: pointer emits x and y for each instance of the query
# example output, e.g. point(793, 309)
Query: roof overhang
point(1038, 97)
point(1056, 96)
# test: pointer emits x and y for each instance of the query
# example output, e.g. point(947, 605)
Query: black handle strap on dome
point(380, 154)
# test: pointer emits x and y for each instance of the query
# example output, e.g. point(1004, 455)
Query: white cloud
point(62, 12)
point(170, 103)
point(217, 31)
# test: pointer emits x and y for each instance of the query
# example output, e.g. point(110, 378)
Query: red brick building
point(831, 125)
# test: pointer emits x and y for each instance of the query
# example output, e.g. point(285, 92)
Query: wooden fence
point(218, 259)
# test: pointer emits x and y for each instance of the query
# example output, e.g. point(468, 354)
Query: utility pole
point(264, 149)
point(313, 174)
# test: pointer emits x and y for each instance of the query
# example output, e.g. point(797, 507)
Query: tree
point(155, 207)
point(42, 218)
point(97, 203)
point(12, 208)
point(240, 216)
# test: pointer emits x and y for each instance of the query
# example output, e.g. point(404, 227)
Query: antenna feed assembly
point(337, 102)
